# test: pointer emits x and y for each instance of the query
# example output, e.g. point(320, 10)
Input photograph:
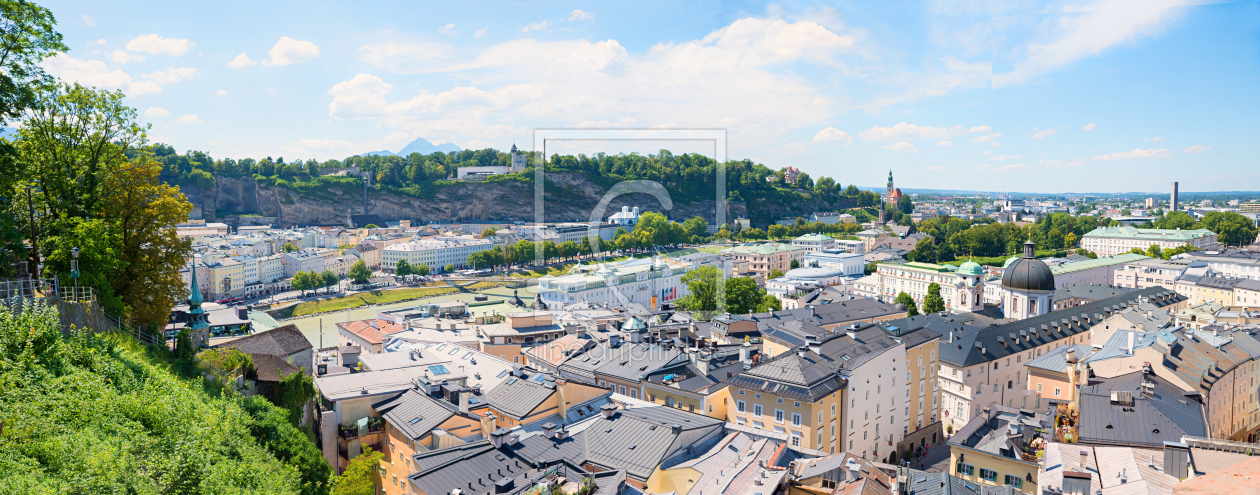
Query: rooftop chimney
point(608, 410)
point(549, 429)
point(463, 399)
point(1084, 460)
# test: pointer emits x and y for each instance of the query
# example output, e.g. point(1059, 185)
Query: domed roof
point(813, 273)
point(900, 307)
point(1028, 272)
point(970, 268)
point(1009, 261)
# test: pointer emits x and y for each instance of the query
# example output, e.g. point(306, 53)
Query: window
point(1014, 481)
point(796, 439)
point(796, 403)
point(741, 391)
point(438, 370)
point(779, 400)
point(1057, 391)
point(966, 469)
point(1039, 388)
point(820, 417)
point(757, 395)
point(778, 415)
point(634, 393)
point(757, 410)
point(833, 410)
point(622, 388)
point(796, 419)
point(988, 475)
point(740, 407)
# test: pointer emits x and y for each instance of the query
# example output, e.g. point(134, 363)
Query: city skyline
point(1003, 99)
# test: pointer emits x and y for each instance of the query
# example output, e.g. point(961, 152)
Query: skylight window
point(414, 420)
point(466, 356)
point(453, 351)
point(511, 381)
point(443, 346)
point(439, 370)
point(503, 373)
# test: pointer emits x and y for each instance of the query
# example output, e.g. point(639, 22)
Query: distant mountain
point(420, 145)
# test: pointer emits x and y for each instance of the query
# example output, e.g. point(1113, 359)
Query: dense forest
point(689, 177)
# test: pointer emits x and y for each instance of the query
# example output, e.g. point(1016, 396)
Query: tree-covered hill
point(96, 414)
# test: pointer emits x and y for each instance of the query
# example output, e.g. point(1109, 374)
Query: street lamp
point(74, 270)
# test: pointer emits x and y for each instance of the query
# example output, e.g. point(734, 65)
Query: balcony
point(348, 432)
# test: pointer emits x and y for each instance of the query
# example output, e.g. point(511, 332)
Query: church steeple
point(198, 321)
point(890, 179)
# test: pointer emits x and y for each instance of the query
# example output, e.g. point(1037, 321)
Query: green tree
point(697, 226)
point(357, 478)
point(1155, 251)
point(742, 295)
point(403, 268)
point(775, 273)
point(329, 279)
point(1175, 220)
point(653, 227)
point(794, 264)
point(293, 392)
point(288, 247)
point(911, 308)
point(932, 302)
point(371, 226)
point(301, 282)
point(488, 233)
point(904, 205)
point(701, 290)
point(359, 272)
point(448, 268)
point(777, 231)
point(1231, 228)
point(769, 303)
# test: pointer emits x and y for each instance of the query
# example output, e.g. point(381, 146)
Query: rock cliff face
point(569, 197)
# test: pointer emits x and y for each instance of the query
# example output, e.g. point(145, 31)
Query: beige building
point(227, 278)
point(1110, 241)
point(1150, 272)
point(989, 449)
point(1201, 290)
point(767, 257)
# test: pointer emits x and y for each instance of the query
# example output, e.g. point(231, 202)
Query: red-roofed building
point(367, 334)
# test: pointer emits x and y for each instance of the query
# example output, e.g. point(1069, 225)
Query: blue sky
point(1098, 96)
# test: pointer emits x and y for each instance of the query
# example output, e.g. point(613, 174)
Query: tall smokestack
point(1172, 202)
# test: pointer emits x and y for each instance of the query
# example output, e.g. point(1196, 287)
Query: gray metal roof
point(1028, 273)
point(1056, 359)
point(1164, 414)
point(1091, 292)
point(415, 414)
point(637, 440)
point(632, 361)
point(1003, 340)
point(992, 435)
point(517, 398)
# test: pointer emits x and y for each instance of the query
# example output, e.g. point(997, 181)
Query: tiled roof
point(280, 342)
point(370, 334)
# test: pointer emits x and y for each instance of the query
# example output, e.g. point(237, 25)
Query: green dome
point(1009, 261)
point(970, 268)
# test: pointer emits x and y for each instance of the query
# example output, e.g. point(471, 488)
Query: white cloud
point(995, 144)
point(1043, 133)
point(1135, 154)
point(121, 57)
point(154, 44)
point(221, 92)
point(1089, 127)
point(89, 20)
point(157, 112)
point(404, 57)
point(536, 26)
point(1012, 166)
point(937, 167)
point(911, 131)
point(834, 135)
point(99, 42)
point(1086, 31)
point(902, 146)
point(523, 82)
point(448, 29)
point(143, 88)
point(188, 118)
point(580, 15)
point(945, 143)
point(241, 61)
point(981, 139)
point(1004, 157)
point(1196, 149)
point(481, 32)
point(290, 51)
point(172, 75)
point(85, 72)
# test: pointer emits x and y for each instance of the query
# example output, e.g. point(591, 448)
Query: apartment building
point(983, 366)
point(647, 281)
point(1247, 295)
point(989, 449)
point(922, 404)
point(838, 392)
point(227, 278)
point(305, 260)
point(767, 257)
point(1209, 289)
point(436, 252)
point(270, 268)
point(1151, 272)
point(1110, 241)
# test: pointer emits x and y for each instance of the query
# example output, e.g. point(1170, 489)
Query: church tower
point(198, 321)
point(888, 198)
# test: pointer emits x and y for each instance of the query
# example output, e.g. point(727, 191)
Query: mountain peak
point(420, 145)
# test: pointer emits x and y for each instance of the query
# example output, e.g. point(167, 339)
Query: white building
point(1111, 241)
point(847, 263)
point(436, 252)
point(813, 243)
point(270, 268)
point(642, 281)
point(962, 289)
point(305, 260)
point(626, 217)
point(1027, 286)
point(1099, 271)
